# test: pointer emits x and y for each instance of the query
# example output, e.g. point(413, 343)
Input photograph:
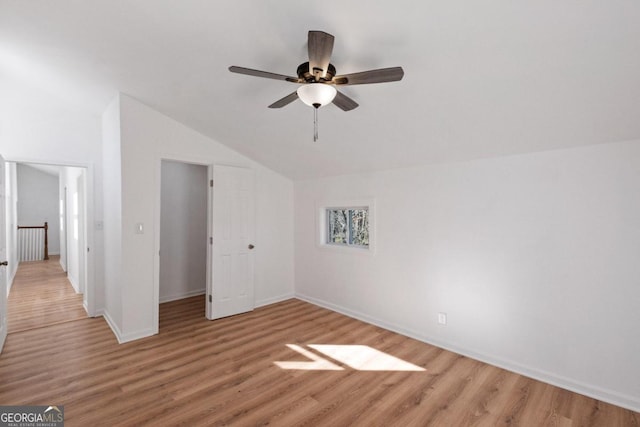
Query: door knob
point(5, 263)
point(251, 246)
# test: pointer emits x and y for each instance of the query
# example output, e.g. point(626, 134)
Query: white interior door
point(3, 258)
point(82, 247)
point(230, 290)
point(63, 229)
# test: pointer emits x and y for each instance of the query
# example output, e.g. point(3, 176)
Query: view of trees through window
point(348, 226)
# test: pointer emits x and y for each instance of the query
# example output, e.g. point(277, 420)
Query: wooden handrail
point(46, 236)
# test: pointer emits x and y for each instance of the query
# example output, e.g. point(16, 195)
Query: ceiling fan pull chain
point(315, 124)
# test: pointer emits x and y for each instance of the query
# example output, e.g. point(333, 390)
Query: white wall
point(183, 230)
point(146, 137)
point(69, 138)
point(534, 258)
point(38, 202)
point(11, 219)
point(112, 203)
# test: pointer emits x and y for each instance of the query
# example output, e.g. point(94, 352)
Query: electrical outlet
point(442, 318)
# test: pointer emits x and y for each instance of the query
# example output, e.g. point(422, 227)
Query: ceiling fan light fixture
point(317, 94)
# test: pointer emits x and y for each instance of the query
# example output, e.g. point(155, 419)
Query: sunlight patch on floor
point(318, 363)
point(358, 357)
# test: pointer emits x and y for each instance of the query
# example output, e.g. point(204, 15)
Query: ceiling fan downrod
point(315, 122)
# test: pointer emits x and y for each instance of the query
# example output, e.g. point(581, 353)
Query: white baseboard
point(273, 300)
point(112, 325)
point(183, 295)
point(605, 395)
point(136, 335)
point(123, 338)
point(74, 283)
point(3, 337)
point(12, 275)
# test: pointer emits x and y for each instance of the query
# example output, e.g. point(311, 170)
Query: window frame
point(323, 227)
point(349, 228)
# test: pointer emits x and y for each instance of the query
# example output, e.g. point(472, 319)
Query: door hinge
point(210, 298)
point(211, 240)
point(210, 183)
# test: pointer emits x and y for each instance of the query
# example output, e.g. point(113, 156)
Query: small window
point(348, 226)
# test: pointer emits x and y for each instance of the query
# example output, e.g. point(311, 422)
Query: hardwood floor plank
point(199, 372)
point(35, 284)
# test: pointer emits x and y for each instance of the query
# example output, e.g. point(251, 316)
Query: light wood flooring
point(199, 372)
point(41, 295)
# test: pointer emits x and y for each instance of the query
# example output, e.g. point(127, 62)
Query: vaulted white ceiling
point(482, 79)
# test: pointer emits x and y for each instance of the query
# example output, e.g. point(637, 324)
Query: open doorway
point(36, 203)
point(183, 233)
point(49, 282)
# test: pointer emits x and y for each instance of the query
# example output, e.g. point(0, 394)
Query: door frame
point(89, 298)
point(81, 183)
point(196, 160)
point(156, 226)
point(4, 256)
point(65, 221)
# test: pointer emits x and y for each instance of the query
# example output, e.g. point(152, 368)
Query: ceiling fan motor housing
point(309, 76)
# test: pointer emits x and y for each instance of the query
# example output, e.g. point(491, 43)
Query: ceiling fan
point(318, 78)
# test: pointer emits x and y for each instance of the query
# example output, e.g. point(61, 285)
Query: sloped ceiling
point(482, 79)
point(48, 169)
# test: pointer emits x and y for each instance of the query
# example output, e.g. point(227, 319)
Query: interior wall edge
point(176, 297)
point(12, 276)
point(608, 396)
point(136, 335)
point(3, 337)
point(274, 300)
point(74, 283)
point(129, 336)
point(113, 325)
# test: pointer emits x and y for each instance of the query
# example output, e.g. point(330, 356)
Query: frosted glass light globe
point(317, 94)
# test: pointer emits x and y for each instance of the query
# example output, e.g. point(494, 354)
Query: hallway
point(41, 296)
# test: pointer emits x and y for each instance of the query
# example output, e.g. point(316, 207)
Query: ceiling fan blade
point(343, 102)
point(285, 101)
point(265, 74)
point(320, 47)
point(381, 75)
